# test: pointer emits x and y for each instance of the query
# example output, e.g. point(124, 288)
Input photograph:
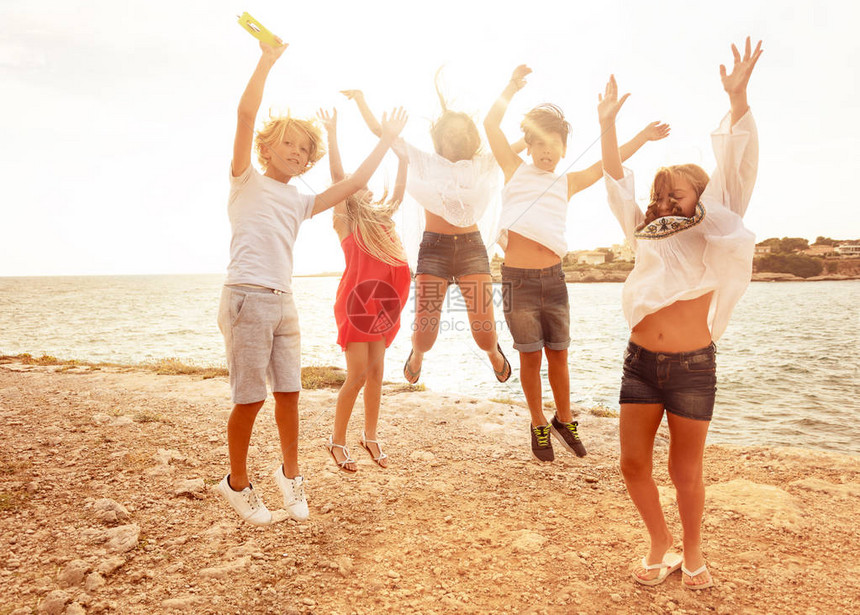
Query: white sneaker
point(294, 494)
point(246, 502)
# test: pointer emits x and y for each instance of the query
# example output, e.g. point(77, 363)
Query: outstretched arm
point(735, 84)
point(250, 104)
point(400, 182)
point(580, 180)
point(366, 113)
point(391, 127)
point(329, 122)
point(501, 148)
point(607, 109)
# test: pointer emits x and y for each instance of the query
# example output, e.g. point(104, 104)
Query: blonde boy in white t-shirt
point(257, 314)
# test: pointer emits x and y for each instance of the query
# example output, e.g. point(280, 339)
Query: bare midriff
point(526, 253)
point(679, 327)
point(438, 224)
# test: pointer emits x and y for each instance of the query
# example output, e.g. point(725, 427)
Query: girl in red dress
point(372, 293)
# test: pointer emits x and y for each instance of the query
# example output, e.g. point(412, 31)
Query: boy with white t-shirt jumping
point(257, 314)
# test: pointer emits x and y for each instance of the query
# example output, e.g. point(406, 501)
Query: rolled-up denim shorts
point(537, 307)
point(684, 382)
point(262, 338)
point(452, 256)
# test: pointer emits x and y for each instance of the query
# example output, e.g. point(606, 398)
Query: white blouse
point(680, 258)
point(534, 205)
point(458, 191)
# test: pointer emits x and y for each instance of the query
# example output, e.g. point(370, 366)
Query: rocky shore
point(107, 506)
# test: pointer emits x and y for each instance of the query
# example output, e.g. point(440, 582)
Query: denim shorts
point(537, 308)
point(684, 382)
point(452, 256)
point(262, 339)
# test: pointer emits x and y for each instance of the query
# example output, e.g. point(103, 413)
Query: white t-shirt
point(265, 216)
point(534, 205)
point(680, 258)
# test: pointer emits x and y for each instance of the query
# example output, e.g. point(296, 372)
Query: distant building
point(848, 249)
point(591, 258)
point(759, 250)
point(818, 250)
point(623, 252)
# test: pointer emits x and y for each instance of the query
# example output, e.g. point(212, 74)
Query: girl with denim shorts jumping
point(693, 263)
point(454, 185)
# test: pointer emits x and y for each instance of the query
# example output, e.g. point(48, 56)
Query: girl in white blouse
point(693, 263)
point(454, 185)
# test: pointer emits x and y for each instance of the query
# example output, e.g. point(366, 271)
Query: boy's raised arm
point(391, 127)
point(580, 180)
point(505, 155)
point(366, 113)
point(249, 105)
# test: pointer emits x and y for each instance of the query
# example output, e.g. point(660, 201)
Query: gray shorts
point(537, 308)
point(261, 335)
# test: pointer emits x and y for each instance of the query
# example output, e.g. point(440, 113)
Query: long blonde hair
point(375, 228)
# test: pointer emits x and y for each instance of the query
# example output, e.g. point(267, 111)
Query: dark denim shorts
point(537, 308)
point(684, 382)
point(452, 256)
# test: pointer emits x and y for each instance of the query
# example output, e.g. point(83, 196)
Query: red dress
point(370, 296)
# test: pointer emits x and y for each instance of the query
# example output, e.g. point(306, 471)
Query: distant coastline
point(599, 276)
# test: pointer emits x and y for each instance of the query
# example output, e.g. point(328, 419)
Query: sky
point(118, 117)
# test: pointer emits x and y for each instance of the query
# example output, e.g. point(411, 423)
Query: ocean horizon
point(788, 368)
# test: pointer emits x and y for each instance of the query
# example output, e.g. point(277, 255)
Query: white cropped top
point(534, 205)
point(680, 258)
point(458, 191)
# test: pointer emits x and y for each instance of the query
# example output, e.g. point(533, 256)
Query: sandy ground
point(107, 505)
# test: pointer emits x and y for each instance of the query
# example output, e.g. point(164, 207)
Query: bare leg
point(559, 382)
point(477, 290)
point(429, 297)
point(356, 373)
point(530, 380)
point(287, 419)
point(686, 452)
point(638, 426)
point(239, 427)
point(373, 394)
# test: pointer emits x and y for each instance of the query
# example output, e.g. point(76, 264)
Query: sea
point(788, 365)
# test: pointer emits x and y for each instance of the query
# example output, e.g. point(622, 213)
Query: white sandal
point(363, 443)
point(671, 562)
point(696, 573)
point(340, 464)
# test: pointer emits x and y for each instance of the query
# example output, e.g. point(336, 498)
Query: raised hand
point(273, 52)
point(353, 94)
point(609, 104)
point(392, 124)
point(656, 131)
point(736, 82)
point(518, 77)
point(329, 120)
